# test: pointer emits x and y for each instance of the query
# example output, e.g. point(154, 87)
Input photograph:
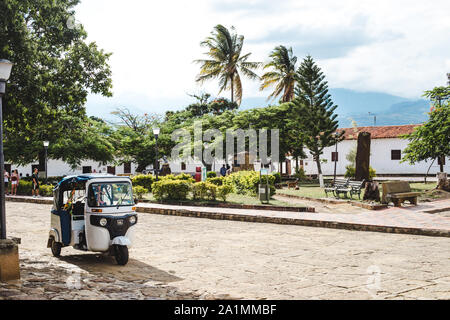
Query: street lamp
point(156, 133)
point(374, 118)
point(336, 136)
point(46, 144)
point(5, 72)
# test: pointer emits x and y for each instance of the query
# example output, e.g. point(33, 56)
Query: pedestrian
point(228, 169)
point(223, 171)
point(14, 182)
point(35, 181)
point(6, 179)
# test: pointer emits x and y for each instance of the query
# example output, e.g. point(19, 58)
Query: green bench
point(398, 192)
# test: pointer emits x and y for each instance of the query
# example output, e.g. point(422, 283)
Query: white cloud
point(398, 47)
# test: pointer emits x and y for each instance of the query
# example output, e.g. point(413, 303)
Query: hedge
point(144, 180)
point(218, 181)
point(25, 188)
point(171, 189)
point(204, 191)
point(246, 182)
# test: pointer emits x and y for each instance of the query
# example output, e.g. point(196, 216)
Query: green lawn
point(314, 191)
point(237, 199)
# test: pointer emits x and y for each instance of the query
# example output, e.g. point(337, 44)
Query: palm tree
point(283, 73)
point(226, 61)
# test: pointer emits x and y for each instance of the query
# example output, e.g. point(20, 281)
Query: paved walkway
point(424, 219)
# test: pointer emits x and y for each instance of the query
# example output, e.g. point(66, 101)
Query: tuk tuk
point(93, 212)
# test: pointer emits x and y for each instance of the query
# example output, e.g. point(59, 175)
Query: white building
point(386, 152)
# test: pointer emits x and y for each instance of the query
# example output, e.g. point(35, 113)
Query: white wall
point(380, 159)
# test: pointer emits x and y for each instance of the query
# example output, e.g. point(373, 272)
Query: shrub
point(46, 190)
point(224, 191)
point(277, 176)
point(183, 177)
point(171, 189)
point(25, 188)
point(211, 174)
point(139, 191)
point(204, 191)
point(144, 180)
point(300, 174)
point(218, 181)
point(246, 182)
point(351, 172)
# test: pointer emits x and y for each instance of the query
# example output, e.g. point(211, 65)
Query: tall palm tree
point(226, 61)
point(282, 74)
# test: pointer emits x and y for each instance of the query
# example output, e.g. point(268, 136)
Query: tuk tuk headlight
point(103, 222)
point(132, 219)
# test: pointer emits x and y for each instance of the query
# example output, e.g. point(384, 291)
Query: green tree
point(432, 139)
point(314, 110)
point(54, 70)
point(226, 61)
point(282, 74)
point(134, 139)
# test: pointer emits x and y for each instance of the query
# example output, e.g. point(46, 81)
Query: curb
point(29, 200)
point(236, 206)
point(295, 221)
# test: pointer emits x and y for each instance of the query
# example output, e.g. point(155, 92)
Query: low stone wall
point(294, 221)
point(238, 206)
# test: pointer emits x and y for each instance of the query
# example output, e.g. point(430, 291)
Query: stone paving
point(180, 257)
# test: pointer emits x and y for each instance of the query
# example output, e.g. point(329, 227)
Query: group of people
point(15, 179)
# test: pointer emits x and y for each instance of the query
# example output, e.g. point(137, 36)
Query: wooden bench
point(398, 192)
point(339, 184)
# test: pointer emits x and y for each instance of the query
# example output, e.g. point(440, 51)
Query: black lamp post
point(156, 133)
point(336, 135)
point(5, 72)
point(46, 144)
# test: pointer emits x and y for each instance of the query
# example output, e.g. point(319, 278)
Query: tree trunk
point(319, 170)
point(442, 163)
point(232, 90)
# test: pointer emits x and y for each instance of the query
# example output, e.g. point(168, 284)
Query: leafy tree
point(226, 61)
point(314, 110)
point(55, 69)
point(282, 74)
point(134, 139)
point(432, 139)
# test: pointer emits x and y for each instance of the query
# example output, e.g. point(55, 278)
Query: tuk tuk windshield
point(110, 194)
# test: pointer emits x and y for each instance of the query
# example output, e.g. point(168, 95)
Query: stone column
point(363, 157)
point(9, 260)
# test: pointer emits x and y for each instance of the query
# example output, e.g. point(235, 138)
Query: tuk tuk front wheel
point(56, 248)
point(121, 254)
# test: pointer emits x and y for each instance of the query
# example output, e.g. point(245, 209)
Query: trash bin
point(263, 192)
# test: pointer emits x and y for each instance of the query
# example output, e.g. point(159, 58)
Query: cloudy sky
point(396, 47)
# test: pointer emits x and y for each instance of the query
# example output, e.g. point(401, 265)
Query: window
point(396, 154)
point(87, 169)
point(111, 170)
point(334, 156)
point(183, 166)
point(441, 161)
point(110, 194)
point(127, 167)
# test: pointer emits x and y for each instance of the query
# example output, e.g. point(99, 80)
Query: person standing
point(35, 181)
point(14, 182)
point(223, 171)
point(6, 180)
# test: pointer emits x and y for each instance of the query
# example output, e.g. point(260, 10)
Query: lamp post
point(336, 135)
point(46, 144)
point(5, 72)
point(156, 133)
point(374, 118)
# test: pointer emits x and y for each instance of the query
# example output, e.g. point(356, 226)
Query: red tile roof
point(382, 132)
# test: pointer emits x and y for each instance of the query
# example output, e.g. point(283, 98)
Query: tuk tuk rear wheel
point(121, 254)
point(56, 248)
